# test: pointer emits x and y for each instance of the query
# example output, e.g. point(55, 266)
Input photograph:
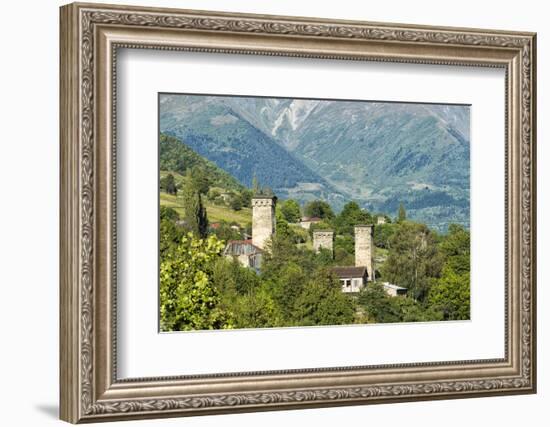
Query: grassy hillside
point(215, 212)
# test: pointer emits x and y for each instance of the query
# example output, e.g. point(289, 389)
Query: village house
point(244, 251)
point(249, 252)
point(352, 279)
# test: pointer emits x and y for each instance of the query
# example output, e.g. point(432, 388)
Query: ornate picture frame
point(90, 37)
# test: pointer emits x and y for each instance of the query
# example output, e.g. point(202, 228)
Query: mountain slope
point(377, 153)
point(175, 156)
point(217, 132)
point(391, 153)
point(384, 153)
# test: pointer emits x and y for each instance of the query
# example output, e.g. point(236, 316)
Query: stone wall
point(263, 220)
point(322, 240)
point(364, 247)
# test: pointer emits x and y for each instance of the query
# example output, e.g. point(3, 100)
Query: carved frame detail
point(86, 397)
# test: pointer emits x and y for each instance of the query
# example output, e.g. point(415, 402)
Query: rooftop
point(241, 247)
point(349, 272)
point(263, 196)
point(392, 286)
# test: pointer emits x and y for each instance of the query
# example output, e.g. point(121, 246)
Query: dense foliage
point(189, 301)
point(177, 157)
point(200, 288)
point(290, 209)
point(318, 209)
point(451, 293)
point(413, 259)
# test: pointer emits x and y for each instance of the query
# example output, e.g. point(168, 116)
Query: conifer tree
point(402, 215)
point(255, 186)
point(195, 212)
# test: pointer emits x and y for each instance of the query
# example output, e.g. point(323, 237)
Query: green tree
point(170, 236)
point(213, 194)
point(201, 180)
point(168, 184)
point(323, 303)
point(168, 213)
point(383, 234)
point(256, 189)
point(246, 198)
point(291, 210)
point(455, 247)
point(413, 311)
point(170, 233)
point(195, 213)
point(451, 293)
point(231, 278)
point(283, 228)
point(188, 300)
point(350, 216)
point(256, 310)
point(286, 287)
point(378, 306)
point(413, 259)
point(401, 214)
point(236, 203)
point(318, 209)
point(281, 251)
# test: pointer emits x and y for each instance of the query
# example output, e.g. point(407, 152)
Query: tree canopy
point(188, 300)
point(414, 259)
point(290, 210)
point(350, 216)
point(168, 184)
point(318, 209)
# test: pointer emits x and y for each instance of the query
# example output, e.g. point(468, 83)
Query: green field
point(215, 212)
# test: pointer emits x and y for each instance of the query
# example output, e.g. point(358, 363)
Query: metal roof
point(392, 286)
point(241, 247)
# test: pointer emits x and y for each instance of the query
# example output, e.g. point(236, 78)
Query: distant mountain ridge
point(377, 153)
point(219, 133)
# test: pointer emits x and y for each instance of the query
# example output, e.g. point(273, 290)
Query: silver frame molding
point(90, 37)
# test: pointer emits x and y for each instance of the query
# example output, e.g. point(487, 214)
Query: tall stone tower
point(322, 240)
point(263, 219)
point(364, 248)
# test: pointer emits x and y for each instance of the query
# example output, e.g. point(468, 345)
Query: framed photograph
point(266, 213)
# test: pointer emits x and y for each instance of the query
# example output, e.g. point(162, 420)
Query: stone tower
point(263, 219)
point(322, 240)
point(364, 247)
